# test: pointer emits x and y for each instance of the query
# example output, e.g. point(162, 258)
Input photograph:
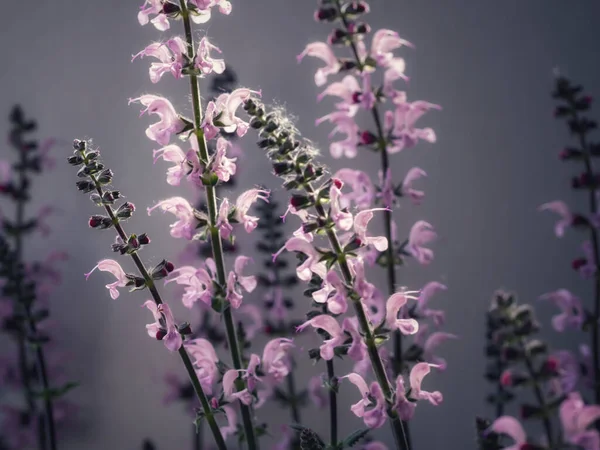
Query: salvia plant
point(565, 386)
point(31, 363)
point(333, 244)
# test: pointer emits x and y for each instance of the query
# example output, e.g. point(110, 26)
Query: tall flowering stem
point(294, 162)
point(574, 103)
point(215, 234)
point(97, 177)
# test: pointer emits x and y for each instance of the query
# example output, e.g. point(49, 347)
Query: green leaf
point(355, 437)
point(53, 393)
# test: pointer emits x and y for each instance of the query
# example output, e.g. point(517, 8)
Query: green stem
point(189, 367)
point(32, 327)
point(215, 236)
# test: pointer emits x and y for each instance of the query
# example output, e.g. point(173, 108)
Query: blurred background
point(489, 64)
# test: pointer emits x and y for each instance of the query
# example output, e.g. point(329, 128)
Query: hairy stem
point(189, 367)
point(215, 236)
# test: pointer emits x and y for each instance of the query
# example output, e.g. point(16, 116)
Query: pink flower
point(336, 303)
point(311, 264)
point(169, 123)
point(421, 233)
point(205, 362)
point(403, 405)
point(358, 348)
point(155, 7)
point(342, 218)
point(198, 284)
point(316, 392)
point(348, 90)
point(361, 285)
point(185, 164)
point(222, 166)
point(387, 194)
point(571, 316)
point(393, 305)
point(430, 343)
point(181, 208)
point(236, 280)
point(393, 72)
point(383, 43)
point(243, 204)
point(576, 418)
point(586, 266)
point(245, 395)
point(401, 125)
point(568, 371)
point(331, 326)
point(164, 328)
point(343, 124)
point(204, 62)
point(413, 174)
point(285, 439)
point(225, 228)
point(322, 51)
point(109, 265)
point(511, 427)
point(276, 358)
point(202, 12)
point(431, 288)
point(361, 221)
point(363, 191)
point(566, 217)
point(171, 55)
point(221, 113)
point(371, 407)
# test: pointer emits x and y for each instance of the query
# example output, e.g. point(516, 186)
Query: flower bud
point(143, 239)
point(578, 263)
point(300, 201)
point(282, 168)
point(79, 145)
point(105, 176)
point(101, 222)
point(75, 160)
point(337, 36)
point(367, 138)
point(126, 210)
point(90, 169)
point(85, 186)
point(160, 334)
point(326, 14)
point(355, 8)
point(170, 9)
point(163, 269)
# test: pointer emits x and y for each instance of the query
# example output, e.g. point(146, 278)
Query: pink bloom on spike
point(204, 62)
point(348, 90)
point(431, 288)
point(222, 166)
point(361, 221)
point(420, 234)
point(401, 124)
point(205, 362)
point(373, 414)
point(431, 343)
point(361, 285)
point(249, 375)
point(236, 280)
point(276, 358)
point(169, 123)
point(511, 427)
point(153, 7)
point(358, 348)
point(568, 371)
point(109, 265)
point(202, 13)
point(587, 268)
point(576, 418)
point(198, 285)
point(363, 191)
point(387, 194)
point(418, 372)
point(231, 428)
point(343, 219)
point(394, 71)
point(181, 208)
point(171, 57)
point(566, 216)
point(225, 228)
point(311, 264)
point(221, 113)
point(331, 326)
point(164, 328)
point(336, 303)
point(316, 392)
point(343, 124)
point(572, 314)
point(243, 204)
point(383, 43)
point(185, 165)
point(393, 305)
point(322, 51)
point(407, 190)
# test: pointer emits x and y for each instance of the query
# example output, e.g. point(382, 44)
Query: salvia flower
point(421, 234)
point(186, 164)
point(361, 221)
point(181, 208)
point(358, 349)
point(407, 190)
point(276, 360)
point(171, 56)
point(221, 114)
point(572, 314)
point(170, 123)
point(406, 406)
point(511, 427)
point(204, 62)
point(198, 284)
point(400, 124)
point(393, 305)
point(311, 264)
point(222, 166)
point(576, 418)
point(245, 395)
point(323, 52)
point(164, 328)
point(331, 326)
point(113, 267)
point(153, 7)
point(236, 280)
point(202, 11)
point(363, 191)
point(371, 407)
point(344, 124)
point(430, 343)
point(243, 204)
point(566, 216)
point(205, 362)
point(431, 288)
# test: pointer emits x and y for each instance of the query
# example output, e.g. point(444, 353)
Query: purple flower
point(109, 265)
point(403, 405)
point(393, 305)
point(413, 174)
point(231, 427)
point(387, 194)
point(336, 303)
point(222, 166)
point(185, 164)
point(323, 52)
point(511, 427)
point(171, 57)
point(181, 208)
point(343, 124)
point(153, 7)
point(221, 114)
point(361, 221)
point(342, 218)
point(401, 124)
point(358, 349)
point(164, 328)
point(383, 43)
point(198, 282)
point(317, 392)
point(243, 204)
point(430, 343)
point(236, 280)
point(311, 264)
point(204, 62)
point(245, 395)
point(560, 208)
point(420, 234)
point(575, 418)
point(276, 360)
point(363, 191)
point(331, 326)
point(348, 90)
point(572, 314)
point(431, 288)
point(371, 407)
point(202, 13)
point(169, 123)
point(205, 362)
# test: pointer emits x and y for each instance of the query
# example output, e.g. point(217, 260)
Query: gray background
point(489, 64)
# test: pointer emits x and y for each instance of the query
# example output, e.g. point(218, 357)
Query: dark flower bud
point(266, 143)
point(300, 201)
point(337, 36)
point(170, 8)
point(75, 160)
point(347, 64)
point(163, 269)
point(309, 227)
point(126, 210)
point(282, 168)
point(79, 145)
point(578, 263)
point(561, 111)
point(137, 282)
point(355, 8)
point(185, 329)
point(143, 239)
point(510, 353)
point(249, 105)
point(360, 28)
point(101, 222)
point(326, 14)
point(85, 186)
point(257, 123)
point(90, 169)
point(528, 411)
point(367, 138)
point(160, 334)
point(105, 176)
point(271, 126)
point(287, 146)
